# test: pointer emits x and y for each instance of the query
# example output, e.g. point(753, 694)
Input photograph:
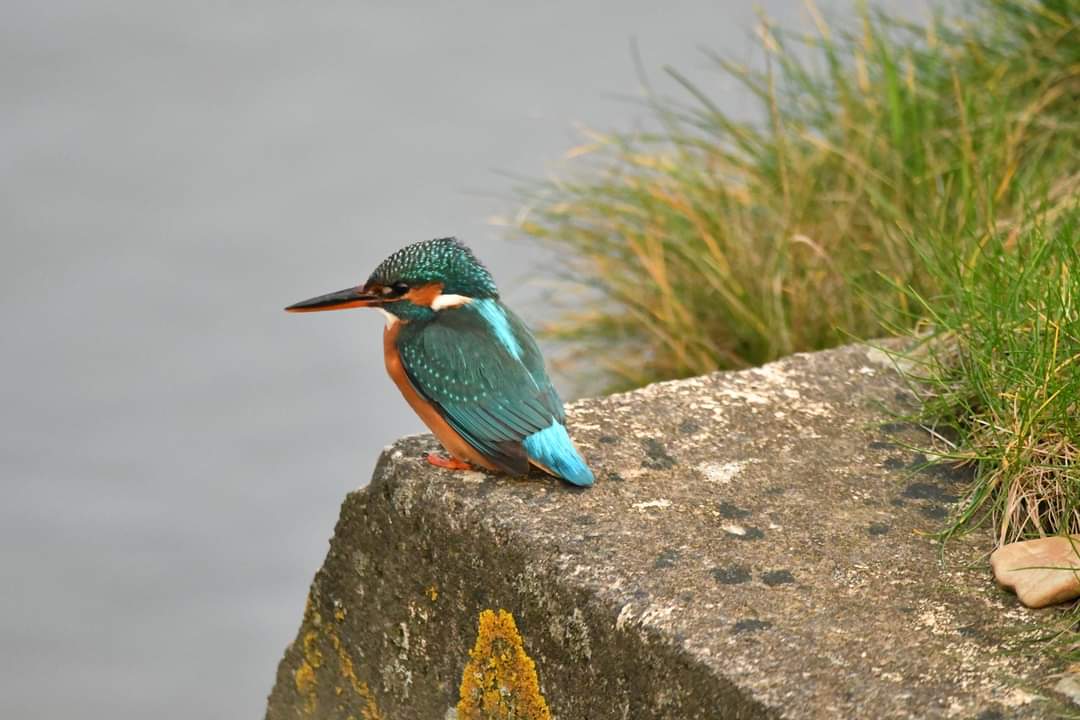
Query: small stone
point(1041, 572)
point(1069, 686)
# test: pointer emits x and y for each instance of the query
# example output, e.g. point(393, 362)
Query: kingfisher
point(466, 364)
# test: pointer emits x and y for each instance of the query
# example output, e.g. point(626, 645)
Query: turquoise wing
point(481, 368)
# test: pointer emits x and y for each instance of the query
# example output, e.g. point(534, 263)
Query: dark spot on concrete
point(731, 512)
point(488, 486)
point(894, 427)
point(585, 520)
point(926, 491)
point(904, 398)
point(898, 502)
point(971, 631)
point(775, 490)
point(934, 512)
point(666, 559)
point(880, 445)
point(731, 575)
point(752, 533)
point(689, 427)
point(565, 487)
point(946, 472)
point(949, 434)
point(641, 594)
point(894, 464)
point(656, 456)
point(751, 625)
point(615, 477)
point(877, 528)
point(990, 714)
point(608, 439)
point(777, 577)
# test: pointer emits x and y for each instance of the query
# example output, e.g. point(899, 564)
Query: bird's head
point(415, 282)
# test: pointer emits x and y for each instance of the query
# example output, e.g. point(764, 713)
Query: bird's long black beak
point(349, 298)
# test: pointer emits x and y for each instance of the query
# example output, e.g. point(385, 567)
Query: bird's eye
point(399, 288)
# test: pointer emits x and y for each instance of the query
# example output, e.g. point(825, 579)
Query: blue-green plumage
point(481, 368)
point(464, 361)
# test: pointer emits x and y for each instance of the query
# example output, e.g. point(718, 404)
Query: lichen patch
point(499, 681)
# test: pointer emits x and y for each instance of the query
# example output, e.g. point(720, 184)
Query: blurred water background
point(173, 447)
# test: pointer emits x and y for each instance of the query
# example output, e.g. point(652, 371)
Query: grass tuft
point(717, 243)
point(999, 374)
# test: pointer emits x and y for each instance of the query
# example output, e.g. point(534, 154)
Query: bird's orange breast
point(450, 439)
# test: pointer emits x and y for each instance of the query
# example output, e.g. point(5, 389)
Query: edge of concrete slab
point(755, 547)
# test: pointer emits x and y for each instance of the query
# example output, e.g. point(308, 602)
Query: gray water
point(173, 447)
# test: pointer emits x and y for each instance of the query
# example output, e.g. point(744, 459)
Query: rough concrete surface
point(755, 547)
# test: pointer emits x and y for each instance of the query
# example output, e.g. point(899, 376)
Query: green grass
point(998, 373)
point(718, 244)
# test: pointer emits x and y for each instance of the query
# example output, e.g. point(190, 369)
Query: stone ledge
point(755, 547)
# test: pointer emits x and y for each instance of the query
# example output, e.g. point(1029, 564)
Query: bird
point(465, 363)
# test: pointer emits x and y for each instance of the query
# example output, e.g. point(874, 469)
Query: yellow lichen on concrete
point(370, 711)
point(433, 593)
point(499, 682)
point(306, 678)
point(311, 649)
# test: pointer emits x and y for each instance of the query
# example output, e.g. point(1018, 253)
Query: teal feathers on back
point(497, 318)
point(480, 366)
point(553, 450)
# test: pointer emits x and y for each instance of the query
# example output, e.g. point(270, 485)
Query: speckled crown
point(442, 260)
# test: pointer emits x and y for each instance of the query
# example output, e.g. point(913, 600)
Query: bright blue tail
point(552, 448)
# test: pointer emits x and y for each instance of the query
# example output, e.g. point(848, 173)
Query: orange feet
point(450, 463)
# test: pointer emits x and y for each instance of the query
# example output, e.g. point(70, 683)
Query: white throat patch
point(390, 317)
point(443, 302)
